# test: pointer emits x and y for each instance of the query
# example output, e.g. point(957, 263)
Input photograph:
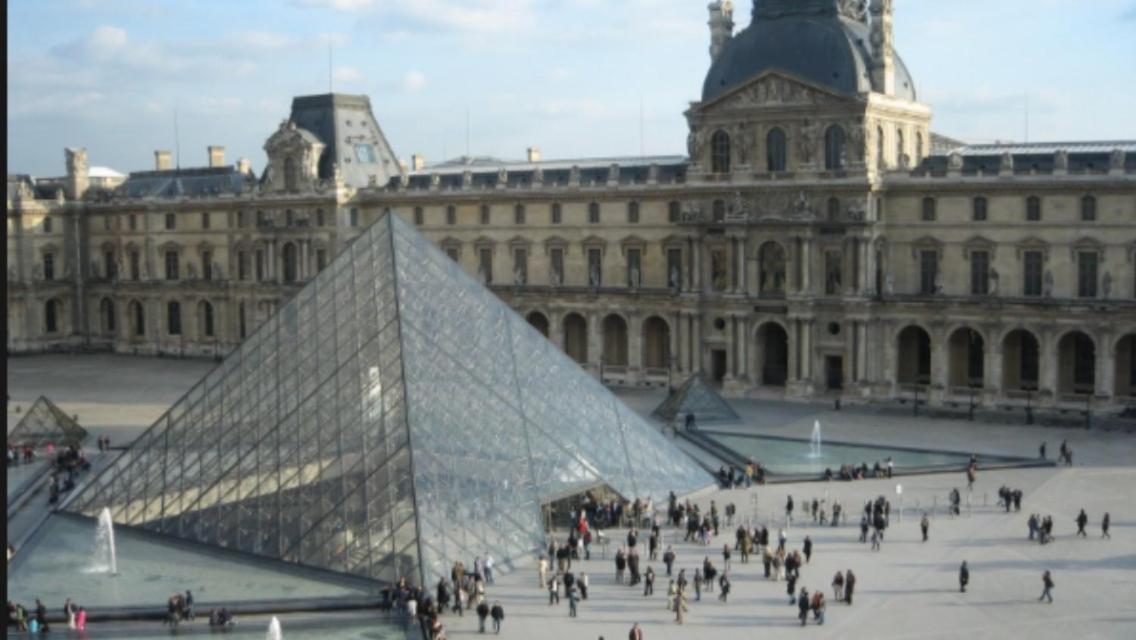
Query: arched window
point(138, 315)
point(594, 213)
point(173, 318)
point(615, 341)
point(290, 263)
point(207, 319)
point(632, 212)
point(834, 148)
point(775, 150)
point(106, 310)
point(291, 175)
point(928, 209)
point(720, 152)
point(1088, 208)
point(51, 316)
point(833, 209)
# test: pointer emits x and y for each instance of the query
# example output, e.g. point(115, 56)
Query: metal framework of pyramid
point(392, 418)
point(698, 397)
point(46, 423)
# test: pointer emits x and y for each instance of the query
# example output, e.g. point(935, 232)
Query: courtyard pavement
point(908, 589)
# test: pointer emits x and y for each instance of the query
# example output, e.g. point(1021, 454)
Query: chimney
point(244, 167)
point(216, 156)
point(533, 154)
point(163, 160)
point(417, 162)
point(883, 52)
point(721, 26)
point(77, 173)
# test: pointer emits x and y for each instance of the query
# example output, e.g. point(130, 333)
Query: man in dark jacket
point(964, 577)
point(498, 613)
point(668, 559)
point(482, 614)
point(849, 586)
point(808, 549)
point(803, 606)
point(1082, 520)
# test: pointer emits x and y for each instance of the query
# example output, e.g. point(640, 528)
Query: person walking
point(726, 557)
point(925, 525)
point(789, 510)
point(680, 607)
point(582, 582)
point(875, 539)
point(864, 528)
point(573, 598)
point(498, 614)
point(1082, 520)
point(697, 585)
point(542, 571)
point(554, 590)
point(669, 558)
point(41, 616)
point(1104, 526)
point(724, 586)
point(672, 593)
point(838, 587)
point(649, 582)
point(791, 589)
point(818, 607)
point(964, 577)
point(81, 619)
point(849, 586)
point(482, 615)
point(636, 633)
point(808, 549)
point(803, 606)
point(488, 565)
point(1047, 581)
point(1041, 450)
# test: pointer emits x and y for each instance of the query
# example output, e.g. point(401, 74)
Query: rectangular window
point(207, 265)
point(205, 220)
point(1087, 274)
point(452, 252)
point(1088, 209)
point(674, 212)
point(519, 214)
point(171, 265)
point(1031, 273)
point(49, 266)
point(556, 213)
point(319, 218)
point(171, 221)
point(259, 265)
point(520, 266)
point(106, 222)
point(173, 313)
point(634, 268)
point(595, 267)
point(321, 259)
point(674, 269)
point(242, 265)
point(132, 222)
point(833, 272)
point(928, 209)
point(135, 266)
point(928, 271)
point(632, 212)
point(47, 224)
point(979, 273)
point(108, 264)
point(451, 215)
point(354, 217)
point(556, 257)
point(484, 214)
point(242, 219)
point(419, 216)
point(485, 264)
point(980, 209)
point(1033, 209)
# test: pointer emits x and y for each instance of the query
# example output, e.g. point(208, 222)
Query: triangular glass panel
point(44, 423)
point(698, 398)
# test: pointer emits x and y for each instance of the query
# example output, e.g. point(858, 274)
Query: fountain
point(274, 630)
point(814, 445)
point(105, 560)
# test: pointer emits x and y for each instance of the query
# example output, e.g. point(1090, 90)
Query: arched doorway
point(615, 341)
point(967, 359)
point(773, 343)
point(576, 337)
point(538, 322)
point(1021, 361)
point(106, 312)
point(771, 263)
point(1076, 364)
point(656, 344)
point(290, 263)
point(1126, 367)
point(914, 362)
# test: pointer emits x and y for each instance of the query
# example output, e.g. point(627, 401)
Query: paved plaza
point(908, 589)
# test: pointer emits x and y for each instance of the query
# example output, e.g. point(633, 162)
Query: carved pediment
point(782, 205)
point(773, 89)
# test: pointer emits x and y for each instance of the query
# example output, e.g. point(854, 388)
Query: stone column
point(270, 266)
point(806, 350)
point(696, 344)
point(595, 340)
point(635, 344)
point(304, 266)
point(696, 266)
point(940, 366)
point(675, 345)
point(1106, 366)
point(889, 372)
point(992, 367)
point(806, 265)
point(733, 368)
point(556, 329)
point(1048, 357)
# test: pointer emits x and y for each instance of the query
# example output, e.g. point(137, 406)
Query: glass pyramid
point(46, 423)
point(392, 418)
point(698, 397)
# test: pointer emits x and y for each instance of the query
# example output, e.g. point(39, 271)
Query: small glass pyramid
point(696, 397)
point(392, 418)
point(46, 423)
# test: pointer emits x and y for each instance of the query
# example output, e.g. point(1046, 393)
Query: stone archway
point(576, 337)
point(773, 350)
point(538, 321)
point(1021, 361)
point(1126, 367)
point(656, 343)
point(1076, 364)
point(913, 365)
point(967, 359)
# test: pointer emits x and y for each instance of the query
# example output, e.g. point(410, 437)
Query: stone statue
point(674, 279)
point(519, 276)
point(1047, 284)
point(482, 277)
point(217, 271)
point(613, 173)
point(1116, 161)
point(191, 271)
point(801, 204)
point(435, 180)
point(938, 282)
point(1007, 163)
point(889, 284)
point(635, 278)
point(553, 276)
point(502, 176)
point(807, 141)
point(858, 141)
point(37, 272)
point(1106, 284)
point(1061, 160)
point(743, 138)
point(993, 282)
point(594, 276)
point(954, 161)
point(538, 176)
point(738, 207)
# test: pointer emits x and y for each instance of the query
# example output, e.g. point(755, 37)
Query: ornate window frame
point(980, 243)
point(1033, 243)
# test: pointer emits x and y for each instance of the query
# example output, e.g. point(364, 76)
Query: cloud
point(101, 43)
point(346, 74)
point(335, 5)
point(414, 81)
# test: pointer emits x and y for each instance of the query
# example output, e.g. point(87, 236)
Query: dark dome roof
point(828, 50)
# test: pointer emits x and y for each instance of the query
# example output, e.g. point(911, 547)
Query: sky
point(576, 78)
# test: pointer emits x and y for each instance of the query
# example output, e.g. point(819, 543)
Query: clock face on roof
point(365, 153)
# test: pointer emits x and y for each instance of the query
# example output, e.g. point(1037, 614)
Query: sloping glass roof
point(392, 418)
point(697, 397)
point(46, 423)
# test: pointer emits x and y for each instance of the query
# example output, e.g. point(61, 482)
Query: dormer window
point(291, 175)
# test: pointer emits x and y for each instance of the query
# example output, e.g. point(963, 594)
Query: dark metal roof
point(822, 47)
point(353, 139)
point(173, 183)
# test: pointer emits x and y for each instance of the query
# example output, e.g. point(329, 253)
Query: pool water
point(783, 456)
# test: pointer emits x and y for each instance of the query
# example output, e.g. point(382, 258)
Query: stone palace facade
point(816, 239)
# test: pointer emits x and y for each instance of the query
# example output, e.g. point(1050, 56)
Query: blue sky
point(568, 76)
